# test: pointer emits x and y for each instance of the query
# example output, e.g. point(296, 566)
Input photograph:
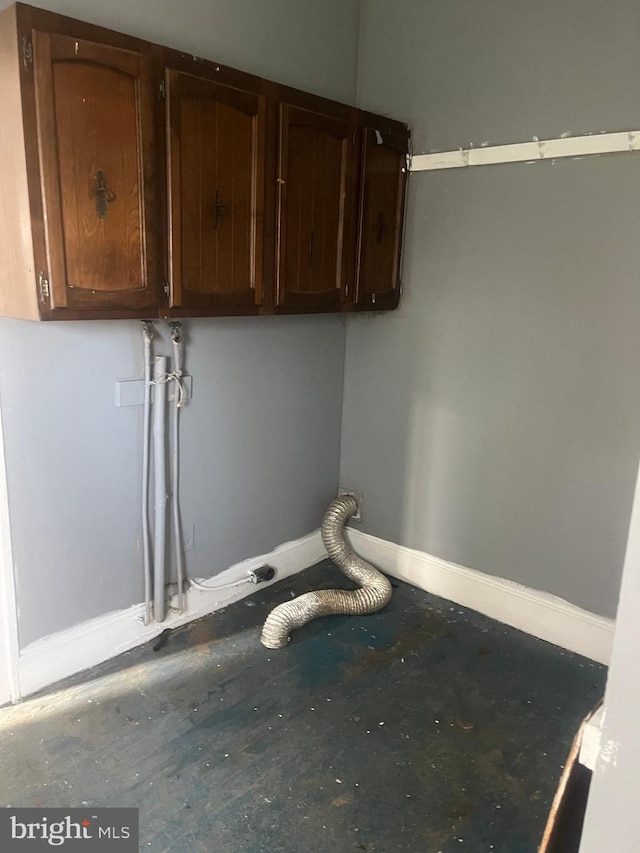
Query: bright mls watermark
point(86, 830)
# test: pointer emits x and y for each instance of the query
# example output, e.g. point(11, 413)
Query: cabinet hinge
point(27, 52)
point(166, 288)
point(43, 287)
point(162, 89)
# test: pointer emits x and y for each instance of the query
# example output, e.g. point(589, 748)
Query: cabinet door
point(216, 186)
point(95, 119)
point(315, 200)
point(382, 192)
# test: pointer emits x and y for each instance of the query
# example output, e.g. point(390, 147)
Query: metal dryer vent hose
point(374, 594)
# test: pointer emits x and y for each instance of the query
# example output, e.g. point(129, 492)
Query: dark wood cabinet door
point(216, 195)
point(382, 192)
point(315, 207)
point(95, 119)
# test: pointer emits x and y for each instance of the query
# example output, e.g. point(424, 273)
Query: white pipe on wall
point(160, 484)
point(147, 335)
point(176, 339)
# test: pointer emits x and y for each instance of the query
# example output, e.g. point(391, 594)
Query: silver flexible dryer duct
point(374, 594)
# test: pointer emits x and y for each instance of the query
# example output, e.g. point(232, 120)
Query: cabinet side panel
point(383, 186)
point(17, 274)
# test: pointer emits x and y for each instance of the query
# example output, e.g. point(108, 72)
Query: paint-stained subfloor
point(423, 728)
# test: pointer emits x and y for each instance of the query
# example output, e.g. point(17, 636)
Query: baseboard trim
point(540, 614)
point(537, 613)
point(67, 652)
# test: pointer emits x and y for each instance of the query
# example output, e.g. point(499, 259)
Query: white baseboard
point(537, 613)
point(65, 653)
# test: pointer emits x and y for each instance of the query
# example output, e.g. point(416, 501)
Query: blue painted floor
point(423, 728)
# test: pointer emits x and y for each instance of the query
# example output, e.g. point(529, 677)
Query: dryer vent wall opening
point(374, 592)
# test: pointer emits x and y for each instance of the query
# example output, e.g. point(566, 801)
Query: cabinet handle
point(220, 210)
point(381, 228)
point(103, 196)
point(310, 256)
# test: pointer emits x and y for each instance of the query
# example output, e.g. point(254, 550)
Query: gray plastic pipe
point(176, 338)
point(147, 337)
point(160, 484)
point(374, 592)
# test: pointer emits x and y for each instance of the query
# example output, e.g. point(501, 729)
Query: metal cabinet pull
point(220, 210)
point(381, 228)
point(103, 196)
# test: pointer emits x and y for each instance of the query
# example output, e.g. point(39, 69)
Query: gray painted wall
point(466, 72)
point(310, 44)
point(261, 437)
point(494, 420)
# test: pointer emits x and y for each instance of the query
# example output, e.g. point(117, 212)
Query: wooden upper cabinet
point(136, 181)
point(216, 141)
point(382, 193)
point(315, 205)
point(95, 130)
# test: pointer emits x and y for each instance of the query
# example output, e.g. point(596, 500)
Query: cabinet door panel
point(382, 191)
point(216, 195)
point(95, 130)
point(314, 179)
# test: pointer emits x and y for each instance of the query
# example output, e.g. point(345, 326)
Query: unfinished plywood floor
point(422, 728)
